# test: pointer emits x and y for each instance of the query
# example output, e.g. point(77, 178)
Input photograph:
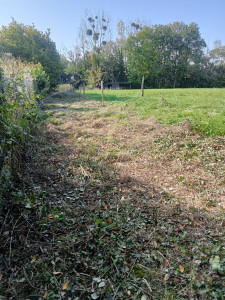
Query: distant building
point(117, 85)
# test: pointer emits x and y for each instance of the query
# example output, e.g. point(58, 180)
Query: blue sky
point(63, 17)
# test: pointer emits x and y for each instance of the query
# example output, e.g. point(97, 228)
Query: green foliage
point(217, 67)
point(112, 63)
point(18, 108)
point(164, 54)
point(31, 45)
point(41, 81)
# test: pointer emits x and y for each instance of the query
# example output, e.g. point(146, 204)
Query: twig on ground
point(148, 285)
point(25, 274)
point(114, 296)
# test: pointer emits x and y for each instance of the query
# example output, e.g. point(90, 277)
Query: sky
point(63, 17)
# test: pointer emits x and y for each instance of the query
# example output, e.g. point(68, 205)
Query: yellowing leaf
point(155, 244)
point(181, 268)
point(110, 221)
point(45, 295)
point(65, 286)
point(34, 257)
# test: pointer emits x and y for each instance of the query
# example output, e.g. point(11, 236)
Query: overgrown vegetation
point(115, 206)
point(19, 109)
point(32, 46)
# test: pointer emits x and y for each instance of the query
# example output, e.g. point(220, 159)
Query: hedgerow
point(22, 85)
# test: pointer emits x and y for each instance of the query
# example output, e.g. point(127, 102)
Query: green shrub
point(17, 111)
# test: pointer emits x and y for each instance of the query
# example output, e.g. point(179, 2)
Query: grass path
point(124, 208)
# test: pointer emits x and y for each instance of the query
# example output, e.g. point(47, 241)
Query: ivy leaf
point(94, 296)
point(101, 284)
point(215, 262)
point(97, 279)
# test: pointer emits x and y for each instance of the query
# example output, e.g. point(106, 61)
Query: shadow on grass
point(107, 97)
point(55, 107)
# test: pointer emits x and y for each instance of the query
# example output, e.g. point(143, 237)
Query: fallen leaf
point(166, 277)
point(0, 276)
point(51, 216)
point(177, 279)
point(56, 273)
point(155, 244)
point(34, 257)
point(144, 297)
point(165, 262)
point(45, 295)
point(110, 221)
point(65, 286)
point(129, 293)
point(181, 268)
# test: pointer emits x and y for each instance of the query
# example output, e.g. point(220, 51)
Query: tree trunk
point(84, 91)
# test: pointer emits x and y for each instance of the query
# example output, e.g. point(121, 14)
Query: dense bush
point(32, 46)
point(19, 83)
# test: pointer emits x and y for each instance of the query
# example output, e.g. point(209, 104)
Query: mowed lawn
point(203, 108)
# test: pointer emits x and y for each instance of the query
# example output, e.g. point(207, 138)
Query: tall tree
point(94, 35)
point(164, 53)
point(112, 63)
point(217, 58)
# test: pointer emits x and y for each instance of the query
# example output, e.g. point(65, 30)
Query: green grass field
point(204, 108)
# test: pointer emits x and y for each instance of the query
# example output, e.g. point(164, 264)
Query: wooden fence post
point(102, 93)
point(142, 86)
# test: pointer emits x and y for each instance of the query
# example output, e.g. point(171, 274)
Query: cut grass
point(204, 108)
point(116, 208)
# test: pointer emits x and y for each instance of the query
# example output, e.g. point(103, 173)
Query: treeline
point(168, 56)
